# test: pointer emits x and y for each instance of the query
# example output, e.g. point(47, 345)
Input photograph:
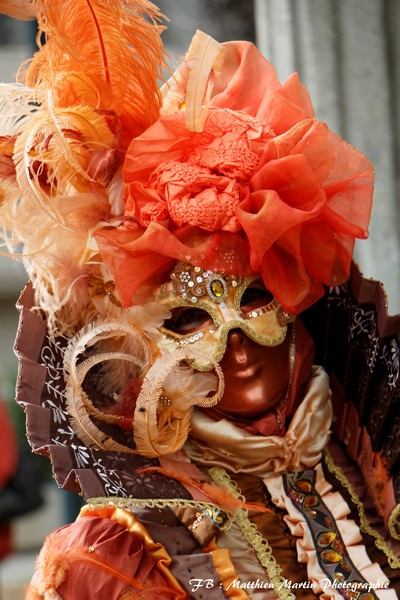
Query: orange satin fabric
point(106, 553)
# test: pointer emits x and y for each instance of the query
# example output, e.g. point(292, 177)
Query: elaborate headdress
point(108, 183)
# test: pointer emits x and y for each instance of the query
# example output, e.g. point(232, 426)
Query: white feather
point(17, 105)
point(191, 84)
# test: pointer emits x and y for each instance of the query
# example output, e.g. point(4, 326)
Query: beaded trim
point(329, 548)
point(365, 526)
point(208, 509)
point(260, 545)
point(191, 283)
point(273, 305)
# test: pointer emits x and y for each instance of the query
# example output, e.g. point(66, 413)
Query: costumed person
point(191, 305)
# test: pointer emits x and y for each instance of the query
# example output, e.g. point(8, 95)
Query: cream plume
point(191, 85)
point(17, 106)
point(57, 259)
point(158, 429)
point(91, 87)
point(53, 152)
point(82, 410)
point(195, 383)
point(163, 428)
point(148, 318)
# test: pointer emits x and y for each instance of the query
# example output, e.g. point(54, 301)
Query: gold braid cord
point(365, 526)
point(394, 522)
point(129, 504)
point(253, 536)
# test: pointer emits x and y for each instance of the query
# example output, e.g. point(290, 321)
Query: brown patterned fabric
point(41, 390)
point(359, 346)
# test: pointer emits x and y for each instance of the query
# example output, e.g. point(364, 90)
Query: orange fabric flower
point(194, 178)
point(263, 188)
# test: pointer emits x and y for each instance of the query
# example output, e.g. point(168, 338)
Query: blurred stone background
point(347, 54)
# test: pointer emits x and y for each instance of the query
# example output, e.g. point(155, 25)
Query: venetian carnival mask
point(206, 306)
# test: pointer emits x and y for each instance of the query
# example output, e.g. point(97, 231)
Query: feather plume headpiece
point(91, 87)
point(106, 181)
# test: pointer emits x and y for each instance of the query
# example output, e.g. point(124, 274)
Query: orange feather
point(215, 493)
point(103, 53)
point(18, 9)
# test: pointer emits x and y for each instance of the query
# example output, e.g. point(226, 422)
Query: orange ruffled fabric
point(263, 188)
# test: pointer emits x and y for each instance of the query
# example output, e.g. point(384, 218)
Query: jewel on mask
point(191, 283)
point(217, 288)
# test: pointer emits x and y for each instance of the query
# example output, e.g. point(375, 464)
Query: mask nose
point(237, 348)
point(236, 338)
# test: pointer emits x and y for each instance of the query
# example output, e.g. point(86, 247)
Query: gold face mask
point(206, 306)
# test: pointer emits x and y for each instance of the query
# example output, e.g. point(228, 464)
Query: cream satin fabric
point(222, 443)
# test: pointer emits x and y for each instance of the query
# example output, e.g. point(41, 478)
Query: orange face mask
point(256, 377)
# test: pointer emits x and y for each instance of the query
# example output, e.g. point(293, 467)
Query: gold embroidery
point(365, 526)
point(254, 537)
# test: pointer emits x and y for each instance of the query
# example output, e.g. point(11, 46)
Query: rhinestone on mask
point(191, 283)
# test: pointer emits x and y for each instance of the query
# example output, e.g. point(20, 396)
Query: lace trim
point(365, 526)
point(129, 504)
point(254, 537)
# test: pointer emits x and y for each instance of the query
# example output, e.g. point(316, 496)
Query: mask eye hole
point(187, 320)
point(255, 295)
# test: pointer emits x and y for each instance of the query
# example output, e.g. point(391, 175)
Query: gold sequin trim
point(365, 526)
point(253, 536)
point(130, 504)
